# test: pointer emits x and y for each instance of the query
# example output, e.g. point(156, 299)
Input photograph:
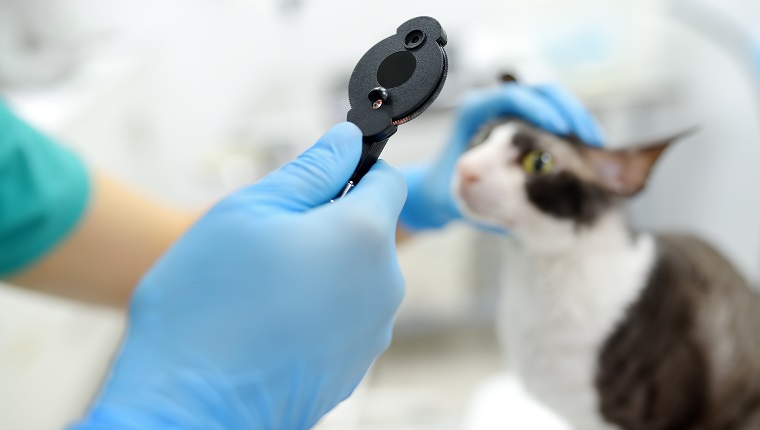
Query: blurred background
point(187, 100)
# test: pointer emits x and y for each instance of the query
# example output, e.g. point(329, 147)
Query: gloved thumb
point(316, 176)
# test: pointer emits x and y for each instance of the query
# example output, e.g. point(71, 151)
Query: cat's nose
point(469, 176)
point(469, 170)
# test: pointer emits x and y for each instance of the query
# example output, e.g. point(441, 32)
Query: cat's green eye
point(538, 163)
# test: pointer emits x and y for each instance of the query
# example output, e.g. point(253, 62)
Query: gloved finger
point(510, 100)
point(316, 176)
point(379, 196)
point(582, 123)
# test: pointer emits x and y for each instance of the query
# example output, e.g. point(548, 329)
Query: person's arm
point(430, 204)
point(120, 235)
point(71, 232)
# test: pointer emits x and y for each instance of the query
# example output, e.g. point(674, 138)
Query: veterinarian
point(268, 310)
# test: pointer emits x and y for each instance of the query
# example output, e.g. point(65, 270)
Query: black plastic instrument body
point(394, 83)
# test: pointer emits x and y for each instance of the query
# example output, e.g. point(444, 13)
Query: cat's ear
point(625, 171)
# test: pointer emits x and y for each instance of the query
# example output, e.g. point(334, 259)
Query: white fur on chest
point(558, 309)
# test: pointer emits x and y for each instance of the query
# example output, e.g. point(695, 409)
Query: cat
point(608, 327)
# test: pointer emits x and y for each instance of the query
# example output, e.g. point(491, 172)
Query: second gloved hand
point(430, 204)
point(271, 309)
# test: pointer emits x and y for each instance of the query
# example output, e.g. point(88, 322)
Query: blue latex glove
point(431, 203)
point(270, 310)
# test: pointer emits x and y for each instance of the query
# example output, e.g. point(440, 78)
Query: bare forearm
point(118, 239)
point(402, 235)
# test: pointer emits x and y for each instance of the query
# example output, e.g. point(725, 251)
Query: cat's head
point(543, 188)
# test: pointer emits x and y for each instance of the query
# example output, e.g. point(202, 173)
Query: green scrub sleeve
point(44, 189)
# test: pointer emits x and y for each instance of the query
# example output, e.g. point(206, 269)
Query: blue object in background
point(756, 57)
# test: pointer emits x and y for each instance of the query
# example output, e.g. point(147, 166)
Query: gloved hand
point(271, 309)
point(430, 203)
